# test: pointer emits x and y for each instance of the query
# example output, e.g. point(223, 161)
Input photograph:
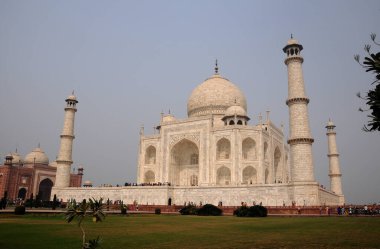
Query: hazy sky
point(129, 60)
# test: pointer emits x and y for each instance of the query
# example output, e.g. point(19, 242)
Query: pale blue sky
point(129, 60)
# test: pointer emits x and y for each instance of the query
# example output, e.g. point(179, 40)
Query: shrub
point(188, 210)
point(206, 210)
point(157, 211)
point(258, 211)
point(241, 211)
point(209, 210)
point(253, 211)
point(20, 210)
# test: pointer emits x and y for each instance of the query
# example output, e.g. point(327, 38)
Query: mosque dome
point(36, 156)
point(214, 96)
point(16, 158)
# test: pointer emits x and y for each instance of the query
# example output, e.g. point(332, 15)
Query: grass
point(170, 231)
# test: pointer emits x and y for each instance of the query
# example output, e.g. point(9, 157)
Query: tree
point(371, 63)
point(82, 210)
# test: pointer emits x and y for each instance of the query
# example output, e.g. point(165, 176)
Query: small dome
point(235, 110)
point(17, 160)
point(36, 156)
point(292, 41)
point(330, 124)
point(87, 184)
point(7, 156)
point(214, 96)
point(291, 44)
point(72, 97)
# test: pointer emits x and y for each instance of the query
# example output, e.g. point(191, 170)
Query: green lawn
point(172, 231)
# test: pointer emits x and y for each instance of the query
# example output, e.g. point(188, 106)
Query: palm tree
point(372, 64)
point(82, 210)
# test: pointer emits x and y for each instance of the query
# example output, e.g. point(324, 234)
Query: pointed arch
point(194, 180)
point(287, 169)
point(277, 167)
point(223, 149)
point(150, 155)
point(249, 175)
point(223, 176)
point(249, 149)
point(44, 189)
point(22, 193)
point(266, 175)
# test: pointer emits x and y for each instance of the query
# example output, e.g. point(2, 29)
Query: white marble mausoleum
point(216, 155)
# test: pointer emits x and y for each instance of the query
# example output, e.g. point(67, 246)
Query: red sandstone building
point(32, 176)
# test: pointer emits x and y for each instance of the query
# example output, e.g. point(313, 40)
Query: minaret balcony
point(294, 58)
point(297, 100)
point(301, 141)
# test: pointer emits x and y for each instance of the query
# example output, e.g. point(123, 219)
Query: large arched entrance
point(21, 193)
point(44, 189)
point(184, 165)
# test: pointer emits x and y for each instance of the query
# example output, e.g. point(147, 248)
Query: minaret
point(64, 159)
point(300, 139)
point(334, 173)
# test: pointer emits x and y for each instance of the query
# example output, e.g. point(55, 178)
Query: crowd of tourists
point(148, 184)
point(359, 210)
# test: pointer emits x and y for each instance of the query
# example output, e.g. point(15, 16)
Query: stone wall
point(268, 195)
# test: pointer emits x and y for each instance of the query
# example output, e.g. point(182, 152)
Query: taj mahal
point(216, 156)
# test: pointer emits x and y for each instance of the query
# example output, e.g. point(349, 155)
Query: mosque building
point(34, 176)
point(216, 156)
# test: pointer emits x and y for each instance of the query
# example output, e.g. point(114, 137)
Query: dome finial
point(216, 66)
point(291, 36)
point(73, 92)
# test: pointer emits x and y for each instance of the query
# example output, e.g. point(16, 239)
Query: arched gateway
point(44, 190)
point(183, 166)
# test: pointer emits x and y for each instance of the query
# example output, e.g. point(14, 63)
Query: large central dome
point(214, 96)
